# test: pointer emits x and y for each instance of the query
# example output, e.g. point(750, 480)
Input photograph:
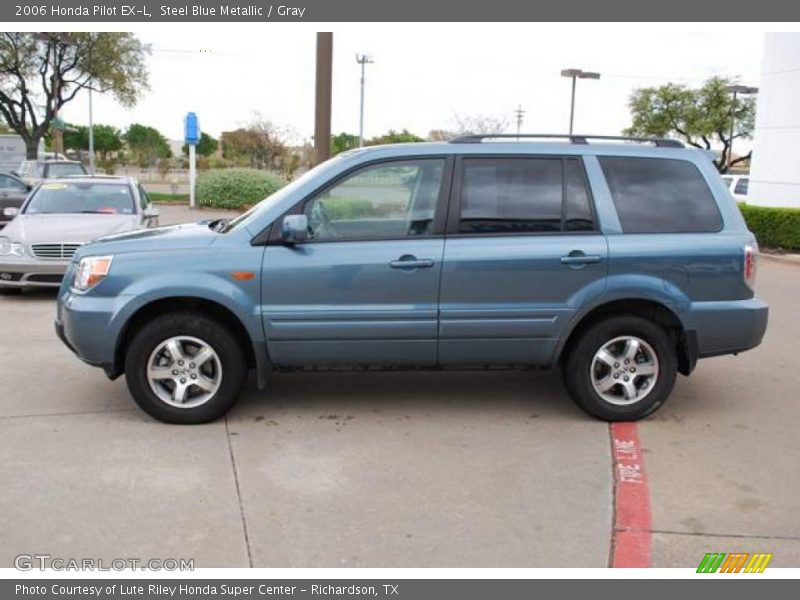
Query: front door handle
point(409, 261)
point(578, 258)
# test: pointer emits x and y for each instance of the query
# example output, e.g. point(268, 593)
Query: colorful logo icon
point(736, 562)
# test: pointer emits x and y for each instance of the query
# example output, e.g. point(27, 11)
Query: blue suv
point(622, 261)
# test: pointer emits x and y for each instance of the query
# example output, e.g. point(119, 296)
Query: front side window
point(144, 199)
point(9, 183)
point(523, 195)
point(383, 201)
point(741, 186)
point(654, 195)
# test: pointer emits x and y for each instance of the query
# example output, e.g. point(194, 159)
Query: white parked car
point(738, 185)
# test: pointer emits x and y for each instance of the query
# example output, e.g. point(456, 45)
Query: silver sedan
point(61, 215)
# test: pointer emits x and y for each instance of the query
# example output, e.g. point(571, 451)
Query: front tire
point(621, 368)
point(185, 368)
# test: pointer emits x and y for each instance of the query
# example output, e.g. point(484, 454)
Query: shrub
point(773, 226)
point(345, 209)
point(236, 188)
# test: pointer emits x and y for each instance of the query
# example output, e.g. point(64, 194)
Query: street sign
point(191, 129)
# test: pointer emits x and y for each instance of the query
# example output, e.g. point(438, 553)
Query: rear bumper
point(727, 327)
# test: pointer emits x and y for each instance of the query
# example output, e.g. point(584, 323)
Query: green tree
point(343, 141)
point(394, 137)
point(206, 146)
point(146, 144)
point(41, 72)
point(701, 117)
point(107, 138)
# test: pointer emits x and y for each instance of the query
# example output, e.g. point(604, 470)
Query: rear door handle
point(408, 261)
point(576, 257)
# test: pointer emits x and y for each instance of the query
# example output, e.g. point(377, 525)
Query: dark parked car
point(13, 192)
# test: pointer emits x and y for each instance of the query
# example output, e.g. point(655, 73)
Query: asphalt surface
point(474, 469)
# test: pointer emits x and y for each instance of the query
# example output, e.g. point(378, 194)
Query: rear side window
point(654, 195)
point(741, 186)
point(523, 195)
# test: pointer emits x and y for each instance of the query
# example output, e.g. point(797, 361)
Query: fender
point(628, 287)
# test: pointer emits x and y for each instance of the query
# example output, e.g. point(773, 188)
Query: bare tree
point(40, 73)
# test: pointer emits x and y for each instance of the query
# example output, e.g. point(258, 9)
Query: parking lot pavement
point(392, 469)
point(480, 469)
point(722, 453)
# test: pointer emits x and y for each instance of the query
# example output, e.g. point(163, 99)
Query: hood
point(175, 237)
point(66, 228)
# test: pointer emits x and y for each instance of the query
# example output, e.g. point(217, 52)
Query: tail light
point(750, 263)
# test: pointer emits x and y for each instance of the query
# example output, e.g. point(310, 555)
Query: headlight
point(7, 247)
point(91, 270)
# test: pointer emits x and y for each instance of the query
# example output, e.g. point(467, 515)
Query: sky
point(424, 77)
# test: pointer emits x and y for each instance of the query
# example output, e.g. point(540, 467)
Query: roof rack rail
point(574, 139)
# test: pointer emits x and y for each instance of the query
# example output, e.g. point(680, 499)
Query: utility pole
point(363, 60)
point(322, 115)
point(520, 113)
point(575, 74)
point(91, 134)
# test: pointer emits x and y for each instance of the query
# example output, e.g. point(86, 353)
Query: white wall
point(775, 170)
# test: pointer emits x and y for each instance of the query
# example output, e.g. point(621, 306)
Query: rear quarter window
point(655, 195)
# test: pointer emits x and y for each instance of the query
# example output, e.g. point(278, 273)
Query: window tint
point(654, 195)
point(577, 211)
point(523, 195)
point(388, 200)
point(741, 186)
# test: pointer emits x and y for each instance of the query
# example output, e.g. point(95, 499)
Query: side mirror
point(10, 211)
point(28, 187)
point(295, 229)
point(151, 212)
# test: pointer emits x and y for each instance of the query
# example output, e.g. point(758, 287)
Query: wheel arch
point(255, 353)
point(685, 340)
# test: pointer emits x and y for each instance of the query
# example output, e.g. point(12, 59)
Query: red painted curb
point(632, 520)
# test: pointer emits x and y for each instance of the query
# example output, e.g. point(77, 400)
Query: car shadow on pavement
point(528, 393)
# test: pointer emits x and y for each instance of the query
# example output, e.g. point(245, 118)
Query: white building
point(775, 170)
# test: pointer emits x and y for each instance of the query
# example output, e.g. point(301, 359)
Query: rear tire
point(604, 385)
point(185, 368)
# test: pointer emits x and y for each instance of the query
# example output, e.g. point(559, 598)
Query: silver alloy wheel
point(184, 371)
point(624, 370)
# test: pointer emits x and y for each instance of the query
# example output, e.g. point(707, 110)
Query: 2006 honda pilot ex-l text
point(620, 262)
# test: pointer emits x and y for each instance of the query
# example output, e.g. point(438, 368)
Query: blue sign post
point(191, 135)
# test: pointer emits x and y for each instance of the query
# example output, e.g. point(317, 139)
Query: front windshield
point(71, 198)
point(279, 195)
point(64, 170)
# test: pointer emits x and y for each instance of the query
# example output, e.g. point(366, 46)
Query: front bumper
point(84, 324)
point(26, 272)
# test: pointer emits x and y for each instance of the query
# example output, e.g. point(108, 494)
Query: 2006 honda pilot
point(622, 262)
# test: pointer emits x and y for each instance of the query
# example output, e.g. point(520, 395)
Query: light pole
point(575, 74)
point(736, 89)
point(91, 134)
point(363, 60)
